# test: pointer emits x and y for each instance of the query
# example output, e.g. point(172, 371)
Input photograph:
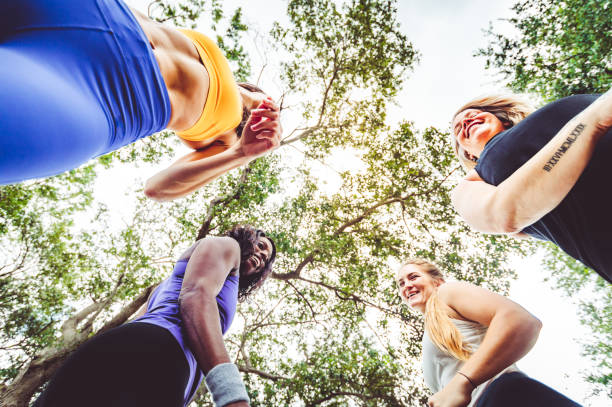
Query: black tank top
point(582, 222)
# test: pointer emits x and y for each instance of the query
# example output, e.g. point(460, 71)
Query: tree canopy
point(560, 48)
point(329, 326)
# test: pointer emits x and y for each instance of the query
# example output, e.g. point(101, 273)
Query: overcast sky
point(447, 33)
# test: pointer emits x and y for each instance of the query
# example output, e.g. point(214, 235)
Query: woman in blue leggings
point(79, 79)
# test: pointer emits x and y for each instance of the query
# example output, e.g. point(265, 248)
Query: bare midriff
point(185, 77)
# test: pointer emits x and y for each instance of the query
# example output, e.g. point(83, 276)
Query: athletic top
point(439, 367)
point(163, 311)
point(581, 223)
point(223, 108)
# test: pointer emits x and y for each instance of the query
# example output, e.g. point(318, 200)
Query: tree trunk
point(47, 361)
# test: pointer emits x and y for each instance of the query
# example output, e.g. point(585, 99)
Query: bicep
point(476, 303)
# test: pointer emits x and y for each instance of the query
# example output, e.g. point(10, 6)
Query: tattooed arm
point(541, 183)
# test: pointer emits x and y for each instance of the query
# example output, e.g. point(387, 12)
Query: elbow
point(506, 218)
point(152, 193)
point(508, 225)
point(531, 330)
point(195, 301)
point(523, 325)
point(535, 326)
point(491, 214)
point(155, 193)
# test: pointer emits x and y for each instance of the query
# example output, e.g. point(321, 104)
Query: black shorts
point(518, 390)
point(136, 364)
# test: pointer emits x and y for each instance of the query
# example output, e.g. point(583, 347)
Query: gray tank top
point(439, 367)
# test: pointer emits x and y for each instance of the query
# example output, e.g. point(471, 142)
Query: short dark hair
point(246, 113)
point(247, 237)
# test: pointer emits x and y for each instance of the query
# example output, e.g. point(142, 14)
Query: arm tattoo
point(564, 147)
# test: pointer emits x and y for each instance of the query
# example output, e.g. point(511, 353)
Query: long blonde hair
point(438, 325)
point(509, 109)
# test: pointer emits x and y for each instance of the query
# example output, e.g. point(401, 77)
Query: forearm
point(192, 172)
point(543, 182)
point(509, 337)
point(200, 317)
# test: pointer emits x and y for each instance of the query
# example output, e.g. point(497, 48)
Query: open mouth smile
point(474, 123)
point(254, 262)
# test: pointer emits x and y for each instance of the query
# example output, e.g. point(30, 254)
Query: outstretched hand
point(262, 131)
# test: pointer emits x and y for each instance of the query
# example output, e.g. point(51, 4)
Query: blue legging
point(516, 389)
point(77, 79)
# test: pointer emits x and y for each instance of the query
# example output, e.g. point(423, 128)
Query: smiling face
point(415, 286)
point(259, 258)
point(473, 128)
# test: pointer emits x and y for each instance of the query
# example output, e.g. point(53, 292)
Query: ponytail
point(442, 331)
point(438, 325)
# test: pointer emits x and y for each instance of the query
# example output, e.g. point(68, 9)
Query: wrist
point(225, 385)
point(238, 155)
point(464, 382)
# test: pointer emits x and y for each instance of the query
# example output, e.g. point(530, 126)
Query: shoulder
point(222, 246)
point(448, 291)
point(557, 112)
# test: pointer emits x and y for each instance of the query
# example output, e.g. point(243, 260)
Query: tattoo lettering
point(564, 147)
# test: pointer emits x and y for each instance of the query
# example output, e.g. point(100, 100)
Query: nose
point(407, 286)
point(466, 122)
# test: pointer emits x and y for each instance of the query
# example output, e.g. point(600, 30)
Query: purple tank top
point(163, 311)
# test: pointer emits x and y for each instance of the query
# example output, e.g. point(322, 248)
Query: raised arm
point(261, 134)
point(512, 332)
point(541, 183)
point(208, 267)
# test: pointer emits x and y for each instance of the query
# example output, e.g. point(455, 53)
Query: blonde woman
point(542, 173)
point(473, 337)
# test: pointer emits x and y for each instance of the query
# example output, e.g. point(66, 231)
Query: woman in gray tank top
point(473, 337)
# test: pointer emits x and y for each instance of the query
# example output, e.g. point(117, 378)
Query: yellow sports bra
point(223, 108)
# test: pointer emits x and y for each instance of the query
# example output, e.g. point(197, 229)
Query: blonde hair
point(438, 325)
point(509, 109)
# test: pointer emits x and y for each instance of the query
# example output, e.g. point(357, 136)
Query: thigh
point(135, 364)
point(48, 122)
point(517, 389)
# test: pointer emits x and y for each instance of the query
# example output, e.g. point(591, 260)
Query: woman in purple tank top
point(161, 357)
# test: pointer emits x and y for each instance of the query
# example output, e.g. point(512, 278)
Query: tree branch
point(340, 393)
point(210, 214)
point(263, 374)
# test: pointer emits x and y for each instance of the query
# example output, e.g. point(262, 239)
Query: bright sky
point(447, 33)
